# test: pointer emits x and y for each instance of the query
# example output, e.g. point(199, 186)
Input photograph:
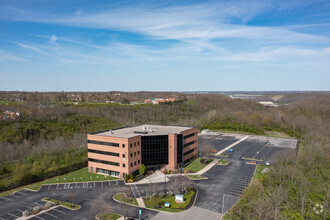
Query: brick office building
point(121, 151)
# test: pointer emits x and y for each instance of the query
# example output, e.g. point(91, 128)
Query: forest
point(49, 138)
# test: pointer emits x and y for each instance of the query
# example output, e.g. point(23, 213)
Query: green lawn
point(108, 216)
point(196, 177)
point(65, 204)
point(257, 173)
point(223, 162)
point(174, 207)
point(122, 197)
point(81, 175)
point(196, 166)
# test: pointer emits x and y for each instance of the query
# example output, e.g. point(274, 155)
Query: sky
point(79, 45)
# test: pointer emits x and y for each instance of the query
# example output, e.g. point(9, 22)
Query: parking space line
point(7, 199)
point(94, 184)
point(59, 211)
point(1, 202)
point(48, 187)
point(102, 183)
point(14, 195)
point(117, 182)
point(57, 186)
point(132, 191)
point(2, 219)
point(28, 207)
point(76, 185)
point(50, 215)
point(137, 190)
point(37, 203)
point(39, 217)
point(19, 210)
point(12, 215)
point(21, 193)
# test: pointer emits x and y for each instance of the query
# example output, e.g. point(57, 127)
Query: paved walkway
point(194, 213)
point(157, 177)
point(140, 202)
point(214, 162)
point(230, 146)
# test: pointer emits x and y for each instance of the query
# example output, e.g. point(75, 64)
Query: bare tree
point(99, 206)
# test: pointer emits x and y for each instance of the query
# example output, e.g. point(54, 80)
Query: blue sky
point(191, 45)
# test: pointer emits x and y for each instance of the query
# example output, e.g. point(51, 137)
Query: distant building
point(121, 151)
point(268, 104)
point(158, 100)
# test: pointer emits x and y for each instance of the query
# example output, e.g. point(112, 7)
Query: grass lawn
point(65, 204)
point(257, 173)
point(196, 177)
point(223, 162)
point(196, 165)
point(81, 175)
point(122, 197)
point(108, 216)
point(174, 207)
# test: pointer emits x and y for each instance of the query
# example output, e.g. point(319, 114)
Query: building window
point(124, 165)
point(134, 153)
point(103, 152)
point(123, 155)
point(123, 145)
point(188, 152)
point(131, 155)
point(138, 152)
point(134, 163)
point(138, 143)
point(134, 144)
point(189, 135)
point(138, 161)
point(103, 143)
point(103, 161)
point(131, 145)
point(131, 164)
point(188, 144)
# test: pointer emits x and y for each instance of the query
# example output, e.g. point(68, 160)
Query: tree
point(142, 169)
point(131, 176)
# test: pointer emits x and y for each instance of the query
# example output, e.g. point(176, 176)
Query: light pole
point(165, 183)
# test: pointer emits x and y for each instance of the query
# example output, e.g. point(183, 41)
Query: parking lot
point(225, 184)
point(218, 193)
point(81, 185)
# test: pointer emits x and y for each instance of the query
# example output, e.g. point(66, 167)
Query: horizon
point(165, 45)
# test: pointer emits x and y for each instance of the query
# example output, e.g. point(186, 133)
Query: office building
point(120, 152)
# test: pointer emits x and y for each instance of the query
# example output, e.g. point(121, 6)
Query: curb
point(157, 209)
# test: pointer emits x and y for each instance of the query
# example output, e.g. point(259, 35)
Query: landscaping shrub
point(131, 176)
point(161, 194)
point(142, 169)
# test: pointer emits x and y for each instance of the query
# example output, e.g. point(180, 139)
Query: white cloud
point(6, 56)
point(53, 39)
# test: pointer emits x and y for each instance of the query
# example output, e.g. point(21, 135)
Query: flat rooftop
point(143, 130)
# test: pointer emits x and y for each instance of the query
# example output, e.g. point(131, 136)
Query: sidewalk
point(157, 177)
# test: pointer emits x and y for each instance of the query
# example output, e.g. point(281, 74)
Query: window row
point(138, 144)
point(104, 162)
point(188, 144)
point(104, 153)
point(108, 172)
point(189, 135)
point(188, 152)
point(103, 143)
point(138, 153)
point(135, 163)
